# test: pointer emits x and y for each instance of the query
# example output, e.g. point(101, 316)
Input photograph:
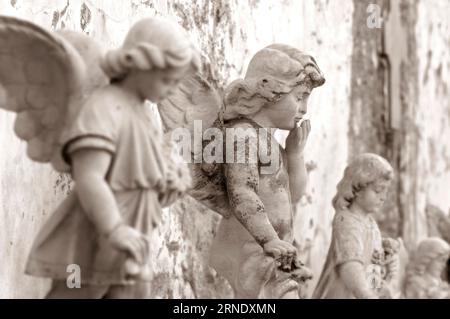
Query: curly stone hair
point(272, 73)
point(363, 170)
point(151, 43)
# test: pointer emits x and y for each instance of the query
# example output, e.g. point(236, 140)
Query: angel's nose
point(301, 111)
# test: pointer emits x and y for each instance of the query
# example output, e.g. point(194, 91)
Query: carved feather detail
point(196, 100)
point(42, 76)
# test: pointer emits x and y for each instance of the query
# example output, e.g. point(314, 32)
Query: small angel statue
point(360, 264)
point(85, 113)
point(425, 271)
point(253, 248)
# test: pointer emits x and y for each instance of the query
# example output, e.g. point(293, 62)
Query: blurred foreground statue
point(85, 113)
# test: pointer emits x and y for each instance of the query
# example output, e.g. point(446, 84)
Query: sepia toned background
point(387, 92)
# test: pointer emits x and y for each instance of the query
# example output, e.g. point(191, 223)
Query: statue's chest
point(274, 175)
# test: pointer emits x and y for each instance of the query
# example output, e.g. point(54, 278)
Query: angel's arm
point(242, 186)
point(298, 177)
point(89, 167)
point(242, 181)
point(348, 249)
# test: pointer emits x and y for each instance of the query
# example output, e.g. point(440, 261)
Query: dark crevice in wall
point(369, 129)
point(408, 141)
point(383, 99)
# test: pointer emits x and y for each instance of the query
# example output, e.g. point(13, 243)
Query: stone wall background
point(349, 114)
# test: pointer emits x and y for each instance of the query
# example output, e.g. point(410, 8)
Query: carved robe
point(354, 238)
point(137, 177)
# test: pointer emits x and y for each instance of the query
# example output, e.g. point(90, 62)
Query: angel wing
point(44, 78)
point(196, 100)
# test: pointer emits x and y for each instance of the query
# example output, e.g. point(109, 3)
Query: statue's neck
point(261, 119)
point(358, 210)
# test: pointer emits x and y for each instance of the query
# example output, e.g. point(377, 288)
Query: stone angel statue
point(360, 263)
point(84, 112)
point(241, 172)
point(425, 271)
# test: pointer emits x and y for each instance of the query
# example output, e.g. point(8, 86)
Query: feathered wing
point(196, 100)
point(44, 79)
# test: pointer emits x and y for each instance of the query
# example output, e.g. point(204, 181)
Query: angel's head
point(154, 57)
point(277, 85)
point(365, 183)
point(430, 257)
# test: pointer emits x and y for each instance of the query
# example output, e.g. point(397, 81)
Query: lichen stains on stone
point(214, 22)
point(55, 19)
point(57, 15)
point(160, 283)
point(148, 3)
point(192, 16)
point(173, 246)
point(310, 166)
point(63, 184)
point(85, 16)
point(428, 67)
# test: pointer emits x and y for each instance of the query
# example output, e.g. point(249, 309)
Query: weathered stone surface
point(431, 117)
point(346, 116)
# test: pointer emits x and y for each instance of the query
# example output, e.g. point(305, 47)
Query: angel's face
point(155, 85)
point(372, 197)
point(289, 111)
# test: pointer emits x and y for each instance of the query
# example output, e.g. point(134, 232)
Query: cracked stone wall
point(228, 34)
point(426, 173)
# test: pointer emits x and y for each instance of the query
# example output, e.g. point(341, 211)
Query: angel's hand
point(300, 272)
point(131, 241)
point(391, 246)
point(296, 140)
point(283, 252)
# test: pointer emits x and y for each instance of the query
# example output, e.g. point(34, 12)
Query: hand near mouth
point(297, 138)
